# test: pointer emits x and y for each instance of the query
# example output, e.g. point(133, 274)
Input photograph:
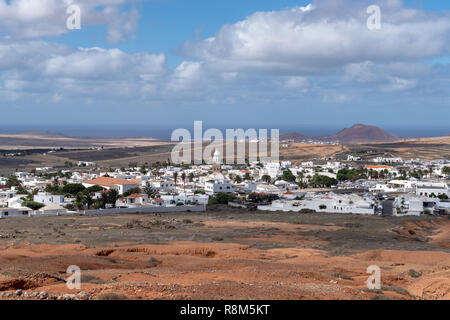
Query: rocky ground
point(225, 254)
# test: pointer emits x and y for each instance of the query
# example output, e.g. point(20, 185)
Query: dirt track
point(227, 254)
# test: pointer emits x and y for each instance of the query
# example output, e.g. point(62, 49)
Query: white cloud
point(37, 67)
point(325, 38)
point(399, 84)
point(186, 76)
point(101, 63)
point(30, 19)
point(323, 51)
point(297, 83)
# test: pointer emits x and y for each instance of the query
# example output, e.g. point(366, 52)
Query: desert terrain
point(424, 148)
point(27, 151)
point(37, 140)
point(225, 253)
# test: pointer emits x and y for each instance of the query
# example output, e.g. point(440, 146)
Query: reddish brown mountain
point(360, 133)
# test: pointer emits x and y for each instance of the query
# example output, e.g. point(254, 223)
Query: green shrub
point(33, 205)
point(222, 198)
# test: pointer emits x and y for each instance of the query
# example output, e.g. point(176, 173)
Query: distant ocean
point(160, 131)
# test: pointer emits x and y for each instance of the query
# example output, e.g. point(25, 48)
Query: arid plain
point(225, 253)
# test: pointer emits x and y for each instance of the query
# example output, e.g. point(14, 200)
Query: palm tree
point(183, 176)
point(175, 177)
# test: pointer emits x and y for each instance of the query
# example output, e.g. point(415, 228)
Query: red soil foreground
point(227, 270)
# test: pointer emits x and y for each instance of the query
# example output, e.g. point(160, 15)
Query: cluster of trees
point(84, 200)
point(446, 170)
point(288, 176)
point(32, 205)
point(106, 198)
point(322, 181)
point(13, 181)
point(68, 189)
point(346, 174)
point(131, 191)
point(221, 198)
point(257, 197)
point(442, 196)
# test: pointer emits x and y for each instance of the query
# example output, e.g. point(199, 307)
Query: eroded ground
point(225, 254)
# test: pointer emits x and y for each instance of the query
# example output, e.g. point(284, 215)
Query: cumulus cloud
point(31, 67)
point(324, 37)
point(297, 83)
point(106, 64)
point(323, 50)
point(399, 84)
point(31, 19)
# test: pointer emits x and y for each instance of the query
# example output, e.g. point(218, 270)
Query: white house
point(14, 212)
point(353, 158)
point(267, 188)
point(7, 194)
point(272, 169)
point(387, 160)
point(49, 199)
point(163, 185)
point(218, 186)
point(428, 189)
point(185, 198)
point(415, 205)
point(132, 201)
point(330, 203)
point(394, 186)
point(86, 164)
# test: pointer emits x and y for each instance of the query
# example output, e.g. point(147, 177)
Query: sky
point(146, 67)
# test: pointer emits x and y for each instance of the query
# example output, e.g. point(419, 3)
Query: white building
point(330, 203)
point(272, 169)
point(218, 186)
point(185, 198)
point(86, 164)
point(394, 186)
point(7, 194)
point(415, 205)
point(353, 158)
point(14, 212)
point(268, 189)
point(428, 189)
point(387, 160)
point(163, 185)
point(49, 199)
point(132, 201)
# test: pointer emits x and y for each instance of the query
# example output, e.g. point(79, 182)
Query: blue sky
point(142, 65)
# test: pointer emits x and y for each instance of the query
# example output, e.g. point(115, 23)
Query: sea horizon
point(164, 132)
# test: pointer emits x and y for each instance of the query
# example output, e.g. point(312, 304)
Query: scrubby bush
point(222, 198)
point(33, 205)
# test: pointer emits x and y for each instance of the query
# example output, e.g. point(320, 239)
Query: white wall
point(149, 209)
